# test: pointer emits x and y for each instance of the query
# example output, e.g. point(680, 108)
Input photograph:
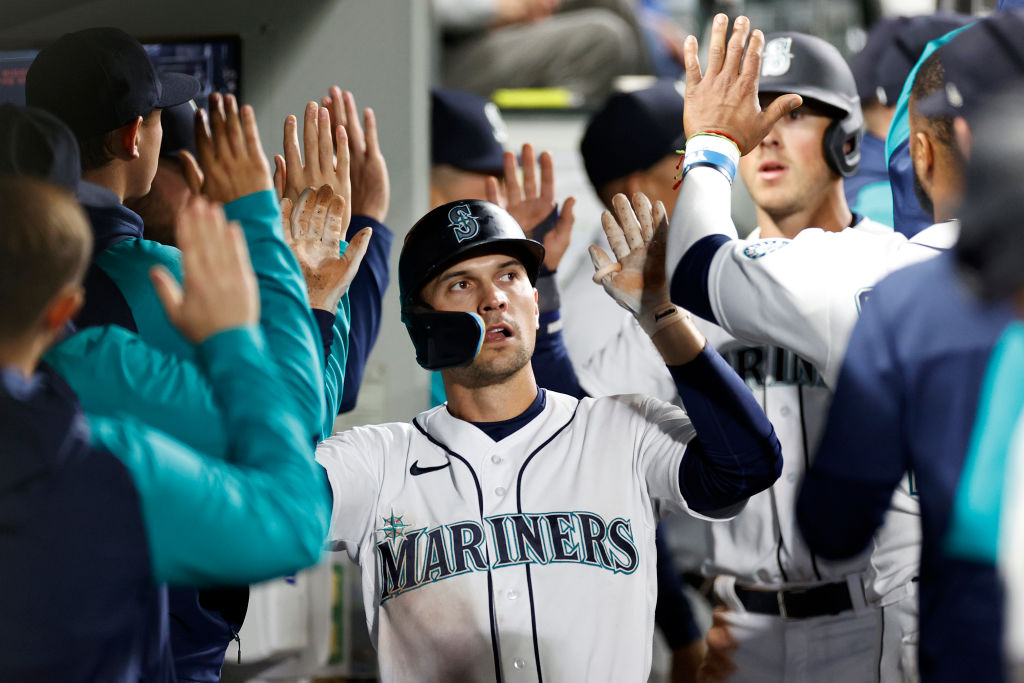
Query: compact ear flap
point(835, 141)
point(444, 339)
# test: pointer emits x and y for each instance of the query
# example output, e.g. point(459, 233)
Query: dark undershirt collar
point(499, 430)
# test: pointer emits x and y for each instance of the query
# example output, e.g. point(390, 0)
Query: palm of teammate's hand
point(313, 229)
point(636, 235)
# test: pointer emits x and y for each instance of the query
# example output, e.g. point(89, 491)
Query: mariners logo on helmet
point(462, 221)
point(777, 57)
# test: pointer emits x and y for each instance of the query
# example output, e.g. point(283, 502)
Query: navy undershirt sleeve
point(689, 287)
point(735, 452)
point(551, 363)
point(366, 296)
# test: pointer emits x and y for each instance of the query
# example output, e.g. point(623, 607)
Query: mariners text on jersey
point(409, 559)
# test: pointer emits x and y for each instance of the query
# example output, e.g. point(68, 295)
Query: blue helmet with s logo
point(448, 234)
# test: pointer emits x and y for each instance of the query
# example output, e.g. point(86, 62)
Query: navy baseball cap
point(100, 79)
point(632, 132)
point(893, 47)
point(36, 143)
point(977, 64)
point(179, 124)
point(467, 131)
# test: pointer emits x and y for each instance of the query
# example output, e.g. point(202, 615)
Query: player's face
point(787, 173)
point(497, 288)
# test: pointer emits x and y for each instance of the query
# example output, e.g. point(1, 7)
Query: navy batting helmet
point(451, 233)
point(814, 69)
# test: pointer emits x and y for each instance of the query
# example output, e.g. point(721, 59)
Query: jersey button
point(519, 664)
point(496, 459)
point(500, 491)
point(784, 411)
point(512, 595)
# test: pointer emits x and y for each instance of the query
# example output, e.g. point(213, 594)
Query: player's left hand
point(371, 186)
point(231, 162)
point(530, 203)
point(724, 97)
point(313, 229)
point(636, 234)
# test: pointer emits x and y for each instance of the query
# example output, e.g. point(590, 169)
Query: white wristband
point(660, 318)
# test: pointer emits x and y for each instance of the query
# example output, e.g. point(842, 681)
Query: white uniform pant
point(846, 648)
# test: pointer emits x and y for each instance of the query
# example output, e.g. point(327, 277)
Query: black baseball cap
point(893, 47)
point(977, 64)
point(632, 132)
point(100, 79)
point(36, 143)
point(467, 131)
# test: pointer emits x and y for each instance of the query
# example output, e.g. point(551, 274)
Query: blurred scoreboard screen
point(215, 62)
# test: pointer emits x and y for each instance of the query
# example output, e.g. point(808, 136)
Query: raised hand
point(718, 664)
point(724, 97)
point(231, 162)
point(313, 228)
point(371, 187)
point(220, 291)
point(530, 203)
point(636, 234)
point(326, 150)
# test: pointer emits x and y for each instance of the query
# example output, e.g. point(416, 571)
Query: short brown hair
point(45, 244)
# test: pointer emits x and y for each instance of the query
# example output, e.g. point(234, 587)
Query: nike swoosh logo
point(415, 470)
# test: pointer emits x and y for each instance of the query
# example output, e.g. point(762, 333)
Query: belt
point(798, 603)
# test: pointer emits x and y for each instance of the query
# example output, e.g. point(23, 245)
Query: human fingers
point(335, 105)
point(193, 173)
point(737, 42)
point(218, 126)
point(370, 121)
point(279, 176)
point(324, 196)
point(613, 231)
point(337, 223)
point(547, 176)
point(204, 138)
point(168, 291)
point(292, 156)
point(529, 165)
point(780, 106)
point(643, 209)
point(513, 191)
point(302, 214)
point(716, 44)
point(310, 135)
point(325, 151)
point(251, 132)
point(627, 220)
point(233, 126)
point(603, 265)
point(356, 249)
point(353, 127)
point(691, 62)
point(491, 190)
point(287, 206)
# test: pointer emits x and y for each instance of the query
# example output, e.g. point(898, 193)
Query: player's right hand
point(231, 162)
point(724, 97)
point(718, 665)
point(220, 291)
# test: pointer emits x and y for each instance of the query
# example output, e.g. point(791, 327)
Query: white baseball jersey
point(529, 558)
point(805, 295)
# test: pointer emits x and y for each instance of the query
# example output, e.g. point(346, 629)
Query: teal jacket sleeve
point(115, 373)
point(210, 521)
point(285, 315)
point(336, 360)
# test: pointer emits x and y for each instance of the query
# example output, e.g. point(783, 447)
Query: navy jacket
point(81, 606)
point(906, 401)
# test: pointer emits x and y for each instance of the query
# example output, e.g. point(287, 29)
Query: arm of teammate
point(232, 169)
point(735, 453)
point(860, 459)
point(210, 521)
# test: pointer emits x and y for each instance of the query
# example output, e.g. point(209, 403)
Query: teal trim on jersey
point(209, 521)
point(115, 372)
point(334, 371)
point(977, 506)
point(128, 263)
point(875, 202)
point(437, 393)
point(899, 129)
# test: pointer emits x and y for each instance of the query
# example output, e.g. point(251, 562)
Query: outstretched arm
point(735, 452)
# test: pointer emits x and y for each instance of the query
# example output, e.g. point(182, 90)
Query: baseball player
point(921, 333)
point(496, 532)
point(785, 603)
point(801, 294)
